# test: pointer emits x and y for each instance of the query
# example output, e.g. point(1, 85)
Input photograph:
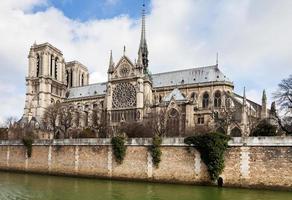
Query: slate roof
point(173, 78)
point(189, 76)
point(87, 91)
point(176, 94)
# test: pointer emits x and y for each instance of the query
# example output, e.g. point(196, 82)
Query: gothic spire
point(264, 97)
point(143, 49)
point(111, 63)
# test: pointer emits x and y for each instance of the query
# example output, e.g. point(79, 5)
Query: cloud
point(253, 39)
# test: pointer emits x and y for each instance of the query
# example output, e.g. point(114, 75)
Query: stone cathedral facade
point(189, 97)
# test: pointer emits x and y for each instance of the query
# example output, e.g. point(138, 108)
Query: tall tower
point(45, 82)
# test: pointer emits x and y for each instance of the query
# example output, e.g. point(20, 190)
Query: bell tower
point(46, 80)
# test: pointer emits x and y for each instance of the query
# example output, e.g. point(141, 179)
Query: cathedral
point(191, 98)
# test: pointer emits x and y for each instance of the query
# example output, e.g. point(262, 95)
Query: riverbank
point(261, 162)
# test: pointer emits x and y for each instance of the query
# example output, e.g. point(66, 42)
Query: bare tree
point(283, 97)
point(50, 118)
point(158, 122)
point(9, 122)
point(225, 118)
point(65, 118)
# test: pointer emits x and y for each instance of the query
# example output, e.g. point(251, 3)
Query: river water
point(26, 186)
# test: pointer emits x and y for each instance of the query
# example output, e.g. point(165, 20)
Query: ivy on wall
point(27, 142)
point(212, 147)
point(119, 148)
point(155, 150)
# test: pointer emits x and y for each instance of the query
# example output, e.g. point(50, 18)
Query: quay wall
point(254, 162)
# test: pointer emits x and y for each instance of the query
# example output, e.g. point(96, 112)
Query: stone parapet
point(175, 141)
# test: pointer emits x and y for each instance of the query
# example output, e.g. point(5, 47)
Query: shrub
point(264, 128)
point(136, 129)
point(155, 150)
point(119, 148)
point(27, 142)
point(211, 147)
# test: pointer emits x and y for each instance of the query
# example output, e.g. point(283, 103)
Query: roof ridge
point(181, 70)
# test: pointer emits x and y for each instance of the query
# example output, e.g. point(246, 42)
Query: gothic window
point(51, 66)
point(217, 99)
point(67, 78)
point(82, 79)
point(56, 68)
point(71, 78)
point(124, 95)
point(38, 66)
point(173, 123)
point(205, 102)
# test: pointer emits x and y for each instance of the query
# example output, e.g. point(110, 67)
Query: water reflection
point(24, 186)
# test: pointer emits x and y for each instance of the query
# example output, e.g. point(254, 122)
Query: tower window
point(38, 66)
point(56, 68)
point(51, 66)
point(82, 79)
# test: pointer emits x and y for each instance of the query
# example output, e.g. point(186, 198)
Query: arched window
point(51, 66)
point(217, 99)
point(173, 123)
point(56, 68)
point(38, 66)
point(82, 79)
point(235, 132)
point(71, 78)
point(67, 78)
point(205, 102)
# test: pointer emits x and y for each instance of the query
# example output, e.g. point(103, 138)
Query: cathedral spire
point(111, 63)
point(143, 49)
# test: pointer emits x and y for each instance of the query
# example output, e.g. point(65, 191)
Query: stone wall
point(249, 162)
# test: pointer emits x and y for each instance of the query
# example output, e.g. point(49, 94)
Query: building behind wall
point(190, 98)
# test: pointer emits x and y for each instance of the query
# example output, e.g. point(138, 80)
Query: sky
point(252, 37)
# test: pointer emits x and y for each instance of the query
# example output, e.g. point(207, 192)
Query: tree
point(65, 118)
point(264, 128)
point(158, 122)
point(283, 97)
point(50, 118)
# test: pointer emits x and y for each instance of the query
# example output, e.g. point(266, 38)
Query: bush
point(136, 129)
point(119, 148)
point(27, 142)
point(264, 128)
point(212, 147)
point(155, 150)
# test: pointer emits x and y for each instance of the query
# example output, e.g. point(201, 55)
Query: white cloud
point(253, 39)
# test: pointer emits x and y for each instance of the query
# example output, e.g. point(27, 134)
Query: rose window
point(124, 95)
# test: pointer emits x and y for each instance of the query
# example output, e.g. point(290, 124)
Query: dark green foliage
point(119, 148)
point(136, 130)
point(264, 128)
point(211, 147)
point(27, 142)
point(155, 150)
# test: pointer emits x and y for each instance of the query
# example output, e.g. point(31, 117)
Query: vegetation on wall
point(212, 147)
point(27, 142)
point(119, 148)
point(264, 128)
point(155, 150)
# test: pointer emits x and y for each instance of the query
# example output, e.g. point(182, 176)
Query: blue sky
point(253, 39)
point(84, 10)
